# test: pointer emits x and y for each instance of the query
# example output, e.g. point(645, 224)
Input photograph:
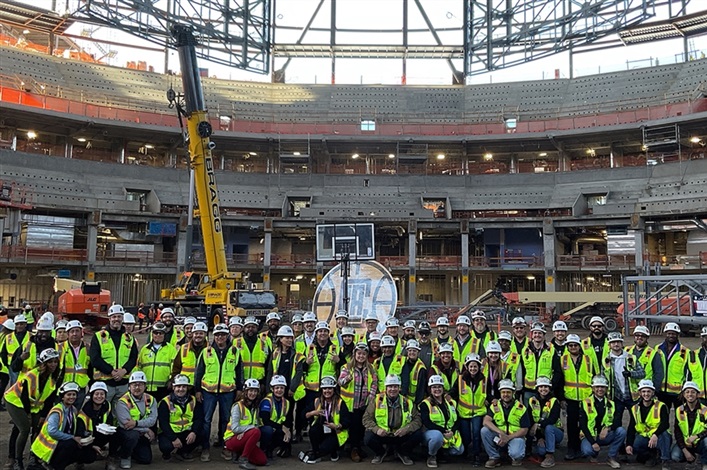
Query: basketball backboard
point(336, 241)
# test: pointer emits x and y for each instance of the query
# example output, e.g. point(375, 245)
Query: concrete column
point(549, 254)
point(640, 246)
point(267, 254)
point(412, 260)
point(563, 161)
point(92, 244)
point(465, 262)
point(183, 243)
point(68, 150)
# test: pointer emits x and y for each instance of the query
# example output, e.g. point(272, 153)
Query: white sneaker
point(125, 464)
point(613, 463)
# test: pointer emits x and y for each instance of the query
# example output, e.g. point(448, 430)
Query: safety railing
point(28, 255)
point(596, 261)
point(134, 258)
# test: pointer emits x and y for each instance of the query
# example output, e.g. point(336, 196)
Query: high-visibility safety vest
point(519, 349)
point(75, 367)
point(472, 400)
point(44, 445)
point(512, 423)
point(116, 359)
point(32, 355)
point(275, 364)
point(301, 344)
point(630, 365)
point(697, 372)
point(511, 364)
point(37, 396)
point(415, 378)
point(462, 350)
point(645, 359)
point(589, 349)
point(591, 412)
point(316, 370)
point(381, 411)
point(676, 369)
point(248, 417)
point(394, 368)
point(436, 343)
point(536, 366)
point(542, 412)
point(133, 409)
point(578, 384)
point(489, 335)
point(265, 336)
point(277, 416)
point(253, 361)
point(157, 366)
point(698, 427)
point(177, 335)
point(342, 435)
point(219, 377)
point(3, 335)
point(434, 370)
point(11, 343)
point(648, 427)
point(189, 359)
point(181, 418)
point(347, 391)
point(437, 417)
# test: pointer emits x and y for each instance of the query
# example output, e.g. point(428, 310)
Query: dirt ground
point(216, 460)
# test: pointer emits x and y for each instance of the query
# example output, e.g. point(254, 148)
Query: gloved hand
point(626, 373)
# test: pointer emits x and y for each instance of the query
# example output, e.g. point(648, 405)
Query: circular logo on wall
point(371, 289)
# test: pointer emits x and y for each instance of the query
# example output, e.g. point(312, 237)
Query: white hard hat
point(20, 319)
point(180, 379)
point(463, 320)
point(472, 357)
point(61, 325)
point(671, 326)
point(321, 325)
point(596, 319)
point(372, 316)
point(128, 318)
point(251, 383)
point(642, 330)
point(160, 305)
point(69, 387)
point(278, 380)
point(235, 320)
point(692, 385)
point(391, 322)
point(519, 321)
point(27, 306)
point(537, 326)
point(220, 328)
point(478, 314)
point(159, 326)
point(341, 313)
point(296, 318)
point(98, 386)
point(328, 382)
point(116, 309)
point(348, 331)
point(362, 346)
point(73, 324)
point(200, 326)
point(189, 321)
point(392, 380)
point(137, 376)
point(45, 325)
point(9, 324)
point(704, 331)
point(543, 381)
point(374, 336)
point(412, 344)
point(600, 381)
point(309, 316)
point(646, 384)
point(273, 316)
point(445, 348)
point(285, 330)
point(409, 324)
point(506, 384)
point(559, 325)
point(615, 336)
point(435, 380)
point(167, 310)
point(573, 339)
point(443, 321)
point(250, 321)
point(494, 346)
point(387, 341)
point(503, 334)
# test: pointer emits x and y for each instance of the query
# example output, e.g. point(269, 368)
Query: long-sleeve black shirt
point(17, 362)
point(427, 421)
point(592, 430)
point(163, 417)
point(692, 415)
point(97, 361)
point(266, 413)
point(406, 379)
point(221, 353)
point(551, 418)
point(644, 410)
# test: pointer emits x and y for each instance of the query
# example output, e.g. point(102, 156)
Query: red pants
point(247, 446)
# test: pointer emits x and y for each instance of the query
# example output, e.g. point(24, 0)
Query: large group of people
point(482, 396)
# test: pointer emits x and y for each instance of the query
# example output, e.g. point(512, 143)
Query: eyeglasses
point(519, 327)
point(220, 334)
point(157, 333)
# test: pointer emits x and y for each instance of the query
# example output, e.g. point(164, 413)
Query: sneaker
point(549, 461)
point(666, 465)
point(492, 463)
point(245, 465)
point(571, 455)
point(593, 460)
point(516, 462)
point(125, 464)
point(110, 465)
point(432, 461)
point(205, 456)
point(476, 461)
point(378, 459)
point(226, 455)
point(186, 457)
point(334, 456)
point(404, 459)
point(355, 456)
point(613, 463)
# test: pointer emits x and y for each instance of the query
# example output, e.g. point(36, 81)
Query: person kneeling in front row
point(505, 426)
point(690, 427)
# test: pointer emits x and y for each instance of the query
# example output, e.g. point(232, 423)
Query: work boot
point(404, 459)
point(205, 456)
point(245, 465)
point(548, 462)
point(432, 461)
point(355, 456)
point(492, 463)
point(226, 455)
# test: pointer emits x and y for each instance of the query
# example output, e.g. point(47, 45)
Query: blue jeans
point(553, 436)
point(435, 440)
point(640, 445)
point(470, 430)
point(614, 439)
point(516, 446)
point(225, 402)
point(700, 448)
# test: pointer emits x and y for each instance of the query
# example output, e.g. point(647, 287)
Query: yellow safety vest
point(264, 336)
point(347, 391)
point(133, 409)
point(648, 427)
point(177, 335)
point(591, 412)
point(316, 370)
point(512, 424)
point(298, 358)
point(31, 361)
point(247, 418)
point(44, 445)
point(395, 368)
point(11, 343)
point(116, 359)
point(461, 351)
point(381, 412)
point(75, 368)
point(156, 366)
point(535, 366)
point(631, 363)
point(699, 426)
point(472, 401)
point(645, 359)
point(437, 417)
point(189, 359)
point(521, 349)
point(342, 435)
point(489, 336)
point(589, 349)
point(436, 371)
point(578, 385)
point(542, 412)
point(3, 335)
point(675, 370)
point(415, 378)
point(181, 419)
point(253, 361)
point(275, 416)
point(37, 397)
point(219, 377)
